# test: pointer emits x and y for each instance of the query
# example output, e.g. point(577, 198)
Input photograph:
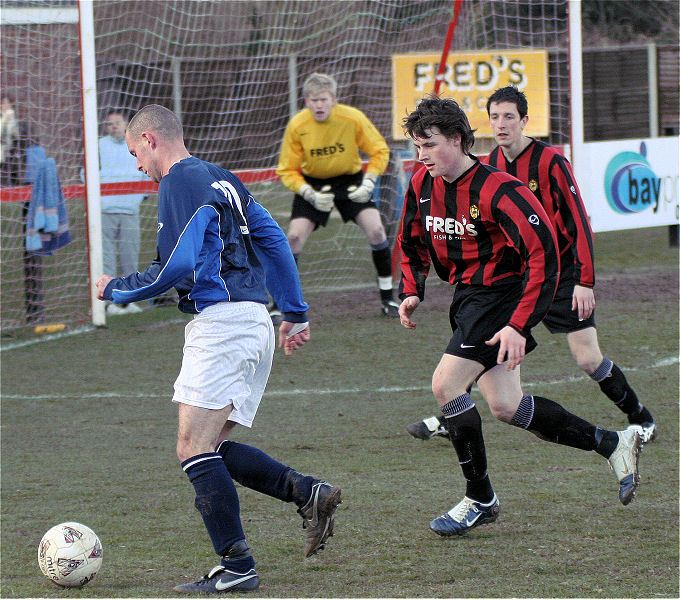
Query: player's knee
point(438, 392)
point(376, 235)
point(185, 448)
point(182, 455)
point(502, 411)
point(444, 392)
point(296, 241)
point(588, 361)
point(293, 238)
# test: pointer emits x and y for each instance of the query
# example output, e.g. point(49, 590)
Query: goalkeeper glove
point(320, 200)
point(364, 192)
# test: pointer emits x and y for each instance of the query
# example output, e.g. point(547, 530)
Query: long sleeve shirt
point(215, 243)
point(330, 148)
point(549, 175)
point(485, 228)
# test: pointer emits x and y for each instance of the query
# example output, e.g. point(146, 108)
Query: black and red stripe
point(549, 175)
point(485, 228)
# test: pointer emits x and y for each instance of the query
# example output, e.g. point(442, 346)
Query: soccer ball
point(70, 554)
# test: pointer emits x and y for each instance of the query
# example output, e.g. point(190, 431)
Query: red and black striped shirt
point(549, 175)
point(486, 228)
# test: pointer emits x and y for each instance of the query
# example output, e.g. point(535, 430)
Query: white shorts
point(227, 357)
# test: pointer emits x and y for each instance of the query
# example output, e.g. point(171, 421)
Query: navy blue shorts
point(561, 318)
point(339, 187)
point(477, 312)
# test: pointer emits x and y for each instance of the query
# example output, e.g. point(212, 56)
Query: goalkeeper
point(320, 162)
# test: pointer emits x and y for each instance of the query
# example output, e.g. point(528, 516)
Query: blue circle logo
point(630, 183)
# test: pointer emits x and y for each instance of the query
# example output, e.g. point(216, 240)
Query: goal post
point(576, 88)
point(93, 203)
point(41, 86)
point(233, 71)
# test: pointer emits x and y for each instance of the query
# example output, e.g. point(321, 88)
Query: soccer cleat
point(624, 462)
point(466, 515)
point(114, 309)
point(220, 580)
point(647, 431)
point(318, 515)
point(132, 308)
point(390, 308)
point(428, 428)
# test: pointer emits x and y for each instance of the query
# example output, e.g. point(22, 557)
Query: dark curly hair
point(443, 113)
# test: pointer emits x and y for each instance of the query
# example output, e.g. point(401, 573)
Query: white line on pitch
point(47, 338)
point(666, 362)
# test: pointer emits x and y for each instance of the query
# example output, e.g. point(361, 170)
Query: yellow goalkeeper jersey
point(330, 148)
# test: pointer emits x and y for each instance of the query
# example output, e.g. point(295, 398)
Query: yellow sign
point(470, 78)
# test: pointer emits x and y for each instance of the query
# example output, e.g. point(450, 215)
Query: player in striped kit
point(549, 175)
point(484, 231)
point(320, 162)
point(215, 244)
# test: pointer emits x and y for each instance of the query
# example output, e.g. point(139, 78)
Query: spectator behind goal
point(121, 212)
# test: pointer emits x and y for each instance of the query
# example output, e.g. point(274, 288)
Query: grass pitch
point(88, 434)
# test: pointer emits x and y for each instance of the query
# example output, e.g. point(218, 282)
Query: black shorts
point(477, 312)
point(561, 318)
point(339, 188)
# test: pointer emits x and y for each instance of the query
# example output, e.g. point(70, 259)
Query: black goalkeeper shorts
point(339, 188)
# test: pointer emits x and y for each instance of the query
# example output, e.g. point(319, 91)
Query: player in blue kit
point(222, 251)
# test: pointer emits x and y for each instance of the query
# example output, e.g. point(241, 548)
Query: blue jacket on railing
point(47, 222)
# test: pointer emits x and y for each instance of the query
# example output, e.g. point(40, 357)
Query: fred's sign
point(470, 78)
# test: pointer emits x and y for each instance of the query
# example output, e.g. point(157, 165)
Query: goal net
point(233, 71)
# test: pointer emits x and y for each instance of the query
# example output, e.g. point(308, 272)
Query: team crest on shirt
point(474, 211)
point(533, 185)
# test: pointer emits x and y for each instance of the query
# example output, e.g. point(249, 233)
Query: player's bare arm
point(511, 347)
point(583, 301)
point(406, 309)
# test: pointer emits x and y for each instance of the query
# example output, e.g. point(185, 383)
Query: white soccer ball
point(70, 554)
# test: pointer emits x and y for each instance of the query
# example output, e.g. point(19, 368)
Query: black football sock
point(238, 557)
point(549, 421)
point(614, 385)
point(442, 418)
point(464, 425)
point(386, 295)
point(381, 255)
point(641, 416)
point(218, 503)
point(258, 471)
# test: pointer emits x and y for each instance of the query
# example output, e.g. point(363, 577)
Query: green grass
point(88, 434)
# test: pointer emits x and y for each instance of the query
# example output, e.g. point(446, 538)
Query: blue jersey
point(215, 244)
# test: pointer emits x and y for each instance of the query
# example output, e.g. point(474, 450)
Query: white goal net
point(232, 70)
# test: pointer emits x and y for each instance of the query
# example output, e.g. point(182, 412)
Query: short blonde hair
point(318, 83)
